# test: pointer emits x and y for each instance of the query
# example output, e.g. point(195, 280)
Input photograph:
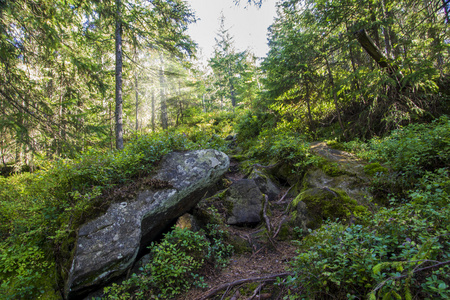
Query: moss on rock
point(332, 169)
point(374, 168)
point(325, 203)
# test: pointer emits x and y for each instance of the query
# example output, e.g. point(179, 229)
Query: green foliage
point(387, 257)
point(175, 264)
point(40, 212)
point(250, 124)
point(416, 148)
point(174, 260)
point(409, 152)
point(285, 146)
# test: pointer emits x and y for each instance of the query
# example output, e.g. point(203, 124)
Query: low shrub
point(41, 211)
point(175, 265)
point(402, 251)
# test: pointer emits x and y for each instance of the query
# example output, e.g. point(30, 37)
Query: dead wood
point(266, 218)
point(284, 196)
point(267, 278)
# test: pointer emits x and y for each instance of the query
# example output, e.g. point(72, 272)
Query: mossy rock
point(333, 144)
point(354, 186)
point(322, 204)
point(332, 169)
point(375, 168)
point(211, 210)
point(240, 245)
point(285, 233)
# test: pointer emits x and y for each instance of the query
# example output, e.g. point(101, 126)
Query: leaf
point(377, 269)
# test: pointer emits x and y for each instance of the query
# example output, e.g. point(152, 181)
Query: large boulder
point(107, 246)
point(313, 206)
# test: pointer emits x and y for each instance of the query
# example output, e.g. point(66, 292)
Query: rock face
point(107, 247)
point(315, 205)
point(336, 189)
point(265, 184)
point(245, 201)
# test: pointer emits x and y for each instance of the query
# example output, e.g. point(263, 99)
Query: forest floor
point(252, 275)
point(247, 275)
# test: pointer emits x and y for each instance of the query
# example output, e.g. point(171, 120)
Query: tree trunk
point(311, 122)
point(330, 76)
point(162, 83)
point(137, 99)
point(445, 4)
point(375, 26)
point(366, 42)
point(136, 87)
point(153, 109)
point(386, 30)
point(119, 65)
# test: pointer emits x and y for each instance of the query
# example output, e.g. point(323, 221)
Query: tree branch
point(267, 278)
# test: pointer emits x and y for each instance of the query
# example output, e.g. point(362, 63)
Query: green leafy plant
point(400, 251)
point(41, 211)
point(175, 264)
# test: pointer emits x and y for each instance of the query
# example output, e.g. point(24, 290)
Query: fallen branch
point(266, 218)
point(379, 286)
point(257, 290)
point(279, 227)
point(284, 196)
point(267, 278)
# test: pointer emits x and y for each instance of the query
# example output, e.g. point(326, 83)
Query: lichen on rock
point(108, 245)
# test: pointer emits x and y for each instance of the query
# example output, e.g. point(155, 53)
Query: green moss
point(239, 157)
point(285, 232)
point(331, 168)
point(333, 144)
point(249, 288)
point(326, 203)
point(239, 244)
point(374, 168)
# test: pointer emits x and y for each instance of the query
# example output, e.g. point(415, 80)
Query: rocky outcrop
point(240, 204)
point(315, 205)
point(335, 189)
point(265, 184)
point(107, 246)
point(244, 201)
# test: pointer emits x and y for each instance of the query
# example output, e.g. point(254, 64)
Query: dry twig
point(267, 278)
point(284, 196)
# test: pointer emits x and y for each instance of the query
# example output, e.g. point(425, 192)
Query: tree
point(119, 66)
point(227, 64)
point(57, 68)
point(317, 38)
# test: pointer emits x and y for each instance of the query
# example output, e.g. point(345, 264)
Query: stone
point(313, 206)
point(107, 246)
point(265, 184)
point(187, 221)
point(244, 202)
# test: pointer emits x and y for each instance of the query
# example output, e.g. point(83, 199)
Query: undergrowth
point(175, 265)
point(40, 212)
point(400, 252)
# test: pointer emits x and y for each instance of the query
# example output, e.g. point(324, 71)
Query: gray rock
point(301, 219)
point(244, 201)
point(107, 246)
point(265, 184)
point(353, 185)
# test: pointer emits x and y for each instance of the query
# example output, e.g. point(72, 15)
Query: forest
point(94, 93)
